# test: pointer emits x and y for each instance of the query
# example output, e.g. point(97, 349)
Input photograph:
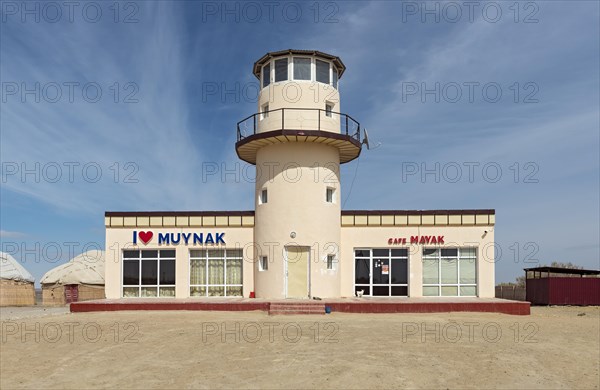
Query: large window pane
point(198, 272)
point(381, 252)
point(399, 272)
point(430, 271)
point(452, 252)
point(362, 253)
point(301, 68)
point(449, 271)
point(216, 271)
point(361, 271)
point(167, 272)
point(281, 70)
point(131, 272)
point(467, 272)
point(266, 75)
point(322, 71)
point(198, 291)
point(468, 252)
point(381, 271)
point(234, 271)
point(149, 272)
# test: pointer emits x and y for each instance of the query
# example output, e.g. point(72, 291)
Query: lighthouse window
point(263, 265)
point(449, 272)
point(301, 68)
point(330, 261)
point(335, 78)
point(263, 197)
point(149, 273)
point(281, 69)
point(328, 110)
point(329, 195)
point(265, 112)
point(266, 75)
point(323, 72)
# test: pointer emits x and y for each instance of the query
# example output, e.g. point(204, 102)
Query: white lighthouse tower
point(297, 140)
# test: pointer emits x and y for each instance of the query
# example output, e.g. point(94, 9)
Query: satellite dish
point(366, 141)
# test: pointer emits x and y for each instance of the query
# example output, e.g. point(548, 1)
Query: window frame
point(310, 68)
point(330, 190)
point(390, 258)
point(263, 197)
point(262, 267)
point(330, 265)
point(207, 285)
point(140, 259)
point(287, 68)
point(458, 258)
point(328, 72)
point(262, 81)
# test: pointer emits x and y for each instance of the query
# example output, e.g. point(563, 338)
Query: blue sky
point(165, 124)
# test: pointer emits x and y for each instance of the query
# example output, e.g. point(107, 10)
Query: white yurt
point(81, 279)
point(16, 284)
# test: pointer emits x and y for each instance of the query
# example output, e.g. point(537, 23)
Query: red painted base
point(337, 306)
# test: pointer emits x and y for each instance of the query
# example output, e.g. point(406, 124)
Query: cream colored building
point(298, 243)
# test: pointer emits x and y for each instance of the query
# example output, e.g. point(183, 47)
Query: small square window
point(329, 195)
point(330, 261)
point(263, 197)
point(263, 263)
point(264, 113)
point(328, 110)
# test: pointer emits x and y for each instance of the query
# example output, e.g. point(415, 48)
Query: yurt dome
point(87, 268)
point(10, 269)
point(16, 284)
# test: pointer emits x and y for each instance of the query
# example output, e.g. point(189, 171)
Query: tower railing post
point(283, 119)
point(346, 124)
point(319, 119)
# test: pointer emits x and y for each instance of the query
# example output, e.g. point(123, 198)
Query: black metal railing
point(301, 119)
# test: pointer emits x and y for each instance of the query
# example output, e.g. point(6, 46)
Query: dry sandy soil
point(553, 348)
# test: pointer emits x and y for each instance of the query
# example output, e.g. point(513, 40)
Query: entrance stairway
point(296, 308)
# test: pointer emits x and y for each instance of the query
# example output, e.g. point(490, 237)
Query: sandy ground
point(553, 348)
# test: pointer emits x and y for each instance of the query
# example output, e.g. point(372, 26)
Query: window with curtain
point(216, 272)
point(266, 74)
point(322, 71)
point(301, 68)
point(148, 273)
point(449, 272)
point(281, 69)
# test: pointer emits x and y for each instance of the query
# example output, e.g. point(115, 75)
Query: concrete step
point(296, 308)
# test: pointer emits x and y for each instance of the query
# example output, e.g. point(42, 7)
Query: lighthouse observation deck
point(299, 101)
point(299, 125)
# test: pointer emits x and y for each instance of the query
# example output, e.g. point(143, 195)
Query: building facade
point(298, 243)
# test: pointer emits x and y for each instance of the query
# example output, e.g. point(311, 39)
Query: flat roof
point(559, 270)
point(251, 212)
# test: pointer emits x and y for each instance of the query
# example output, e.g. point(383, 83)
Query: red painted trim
point(508, 307)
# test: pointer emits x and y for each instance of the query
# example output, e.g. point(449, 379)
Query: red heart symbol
point(145, 237)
